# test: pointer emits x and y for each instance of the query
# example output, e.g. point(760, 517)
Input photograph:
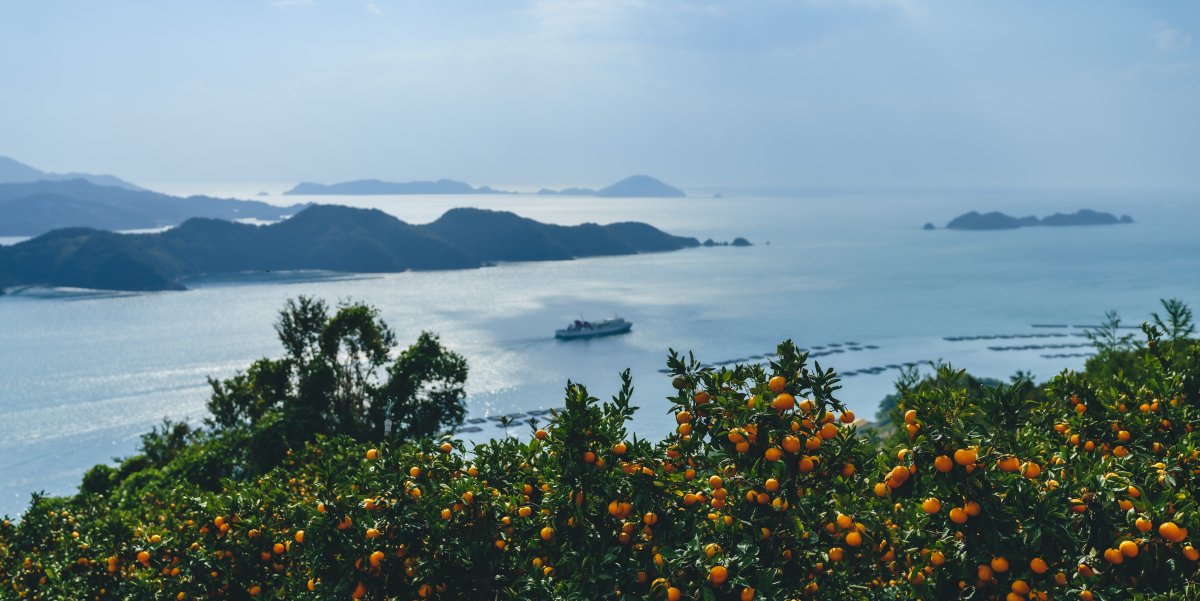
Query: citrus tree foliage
point(1082, 488)
point(339, 376)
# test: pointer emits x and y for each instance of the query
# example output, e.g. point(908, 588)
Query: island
point(16, 172)
point(320, 237)
point(634, 186)
point(32, 208)
point(1000, 221)
point(375, 186)
point(739, 241)
point(568, 192)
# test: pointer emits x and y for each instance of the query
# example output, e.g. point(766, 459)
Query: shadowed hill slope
point(321, 237)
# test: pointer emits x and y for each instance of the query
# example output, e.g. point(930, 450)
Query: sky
point(805, 93)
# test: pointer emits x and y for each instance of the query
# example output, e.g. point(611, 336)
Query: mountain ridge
point(321, 237)
point(13, 171)
point(33, 208)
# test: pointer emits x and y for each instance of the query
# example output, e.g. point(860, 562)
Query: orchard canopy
point(1084, 487)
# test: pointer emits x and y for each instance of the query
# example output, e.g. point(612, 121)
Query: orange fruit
point(931, 505)
point(854, 539)
point(777, 384)
point(965, 456)
point(783, 402)
point(547, 533)
point(1031, 470)
point(619, 448)
point(943, 463)
point(747, 594)
point(717, 575)
point(1128, 548)
point(1038, 565)
point(910, 416)
point(984, 573)
point(958, 516)
point(372, 454)
point(829, 431)
point(1171, 532)
point(674, 594)
point(791, 444)
point(999, 565)
point(837, 554)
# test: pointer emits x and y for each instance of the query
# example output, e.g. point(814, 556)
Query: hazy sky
point(805, 92)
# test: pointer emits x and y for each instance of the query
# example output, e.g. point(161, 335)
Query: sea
point(849, 275)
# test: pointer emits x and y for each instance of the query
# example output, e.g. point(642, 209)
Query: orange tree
point(769, 488)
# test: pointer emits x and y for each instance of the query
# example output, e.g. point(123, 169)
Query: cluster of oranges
point(767, 489)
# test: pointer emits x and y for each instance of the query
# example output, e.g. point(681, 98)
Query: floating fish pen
point(1037, 347)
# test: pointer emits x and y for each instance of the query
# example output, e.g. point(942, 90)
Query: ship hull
point(569, 335)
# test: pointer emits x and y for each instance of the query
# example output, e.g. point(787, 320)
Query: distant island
point(320, 237)
point(375, 186)
point(1000, 221)
point(739, 241)
point(634, 186)
point(32, 208)
point(16, 172)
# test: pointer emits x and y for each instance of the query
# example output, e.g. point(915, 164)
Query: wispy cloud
point(566, 16)
point(907, 7)
point(374, 9)
point(1169, 39)
point(290, 3)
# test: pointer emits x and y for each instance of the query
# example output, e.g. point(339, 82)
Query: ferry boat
point(587, 329)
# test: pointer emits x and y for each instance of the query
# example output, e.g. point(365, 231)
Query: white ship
point(587, 329)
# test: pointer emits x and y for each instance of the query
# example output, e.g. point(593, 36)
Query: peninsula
point(1000, 221)
point(32, 208)
point(321, 237)
point(13, 171)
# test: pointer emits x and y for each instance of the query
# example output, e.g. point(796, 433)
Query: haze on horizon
point(583, 92)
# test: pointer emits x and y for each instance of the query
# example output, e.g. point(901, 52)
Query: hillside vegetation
point(320, 237)
point(1084, 487)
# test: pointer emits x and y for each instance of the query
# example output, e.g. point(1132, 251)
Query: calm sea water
point(82, 375)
